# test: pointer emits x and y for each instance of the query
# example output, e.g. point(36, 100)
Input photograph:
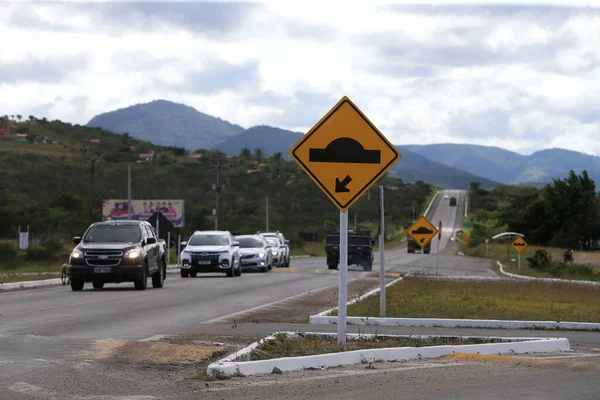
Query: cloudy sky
point(521, 78)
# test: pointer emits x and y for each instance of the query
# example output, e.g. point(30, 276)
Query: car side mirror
point(76, 240)
point(150, 240)
point(287, 242)
point(235, 244)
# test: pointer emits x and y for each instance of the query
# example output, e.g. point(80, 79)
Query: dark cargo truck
point(360, 248)
point(411, 245)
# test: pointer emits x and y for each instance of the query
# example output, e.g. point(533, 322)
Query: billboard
point(141, 210)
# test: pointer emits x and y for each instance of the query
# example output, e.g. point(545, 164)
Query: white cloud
point(519, 78)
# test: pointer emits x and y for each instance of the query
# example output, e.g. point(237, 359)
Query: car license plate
point(204, 262)
point(102, 270)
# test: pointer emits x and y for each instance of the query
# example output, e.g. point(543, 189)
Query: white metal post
point(179, 250)
point(342, 292)
point(381, 254)
point(519, 258)
point(168, 248)
point(486, 250)
point(437, 261)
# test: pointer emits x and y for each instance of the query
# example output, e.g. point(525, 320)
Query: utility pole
point(267, 214)
point(218, 190)
point(92, 173)
point(128, 191)
point(355, 220)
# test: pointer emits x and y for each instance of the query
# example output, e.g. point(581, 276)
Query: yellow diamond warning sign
point(519, 244)
point(422, 231)
point(344, 154)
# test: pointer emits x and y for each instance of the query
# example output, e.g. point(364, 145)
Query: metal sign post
point(342, 292)
point(178, 250)
point(437, 262)
point(519, 258)
point(381, 254)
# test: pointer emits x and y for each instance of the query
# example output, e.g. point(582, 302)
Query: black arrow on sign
point(340, 187)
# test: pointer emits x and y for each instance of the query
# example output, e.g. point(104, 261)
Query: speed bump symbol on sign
point(422, 231)
point(344, 154)
point(519, 244)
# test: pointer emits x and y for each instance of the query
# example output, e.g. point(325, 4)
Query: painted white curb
point(472, 278)
point(361, 298)
point(234, 364)
point(532, 278)
point(30, 284)
point(457, 323)
point(431, 202)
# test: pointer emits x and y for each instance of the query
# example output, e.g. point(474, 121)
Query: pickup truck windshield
point(246, 243)
point(113, 233)
point(208, 240)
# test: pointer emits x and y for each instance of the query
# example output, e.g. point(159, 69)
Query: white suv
point(210, 251)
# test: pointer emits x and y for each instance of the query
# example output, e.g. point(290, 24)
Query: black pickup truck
point(115, 252)
point(360, 248)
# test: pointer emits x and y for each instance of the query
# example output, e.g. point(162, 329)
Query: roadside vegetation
point(283, 345)
point(565, 213)
point(55, 178)
point(514, 300)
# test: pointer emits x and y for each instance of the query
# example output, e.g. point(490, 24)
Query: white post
point(486, 250)
point(342, 292)
point(437, 261)
point(168, 248)
point(381, 254)
point(179, 250)
point(519, 258)
point(157, 219)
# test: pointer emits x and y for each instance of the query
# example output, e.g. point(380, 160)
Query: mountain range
point(448, 165)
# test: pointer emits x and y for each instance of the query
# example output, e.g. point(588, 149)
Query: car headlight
point(76, 254)
point(132, 254)
point(274, 253)
point(261, 255)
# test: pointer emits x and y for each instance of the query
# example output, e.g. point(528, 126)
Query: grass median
point(512, 300)
point(283, 345)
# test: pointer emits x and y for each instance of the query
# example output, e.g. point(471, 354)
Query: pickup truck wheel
point(185, 274)
point(193, 274)
point(158, 279)
point(98, 285)
point(142, 283)
point(77, 285)
point(332, 266)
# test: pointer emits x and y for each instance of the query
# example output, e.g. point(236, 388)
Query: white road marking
point(110, 397)
point(28, 389)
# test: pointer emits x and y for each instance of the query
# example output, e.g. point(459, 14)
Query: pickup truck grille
point(103, 258)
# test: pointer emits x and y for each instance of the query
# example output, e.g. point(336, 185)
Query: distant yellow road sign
point(344, 154)
point(422, 231)
point(519, 244)
point(466, 237)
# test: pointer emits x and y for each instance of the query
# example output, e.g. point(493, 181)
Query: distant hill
point(270, 140)
point(509, 167)
point(411, 168)
point(166, 123)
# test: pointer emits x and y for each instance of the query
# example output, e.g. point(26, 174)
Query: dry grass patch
point(512, 300)
point(283, 345)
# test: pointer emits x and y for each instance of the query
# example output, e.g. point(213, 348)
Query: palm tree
point(245, 154)
point(19, 117)
point(258, 154)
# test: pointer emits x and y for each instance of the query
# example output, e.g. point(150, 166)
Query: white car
point(255, 252)
point(445, 196)
point(210, 251)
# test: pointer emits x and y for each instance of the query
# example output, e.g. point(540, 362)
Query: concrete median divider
point(30, 284)
point(240, 364)
point(533, 278)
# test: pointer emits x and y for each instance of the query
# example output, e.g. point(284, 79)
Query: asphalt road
point(43, 332)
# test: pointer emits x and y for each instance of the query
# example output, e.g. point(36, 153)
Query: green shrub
point(7, 252)
point(48, 251)
point(540, 261)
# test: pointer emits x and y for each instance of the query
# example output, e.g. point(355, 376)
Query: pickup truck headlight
point(76, 254)
point(261, 255)
point(132, 254)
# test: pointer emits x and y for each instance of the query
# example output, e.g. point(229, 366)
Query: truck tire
point(98, 285)
point(77, 285)
point(158, 279)
point(367, 267)
point(332, 266)
point(193, 274)
point(142, 282)
point(238, 271)
point(184, 273)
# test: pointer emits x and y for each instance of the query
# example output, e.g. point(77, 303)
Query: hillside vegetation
point(53, 193)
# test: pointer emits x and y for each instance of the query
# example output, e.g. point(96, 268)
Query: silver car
point(277, 251)
point(255, 252)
